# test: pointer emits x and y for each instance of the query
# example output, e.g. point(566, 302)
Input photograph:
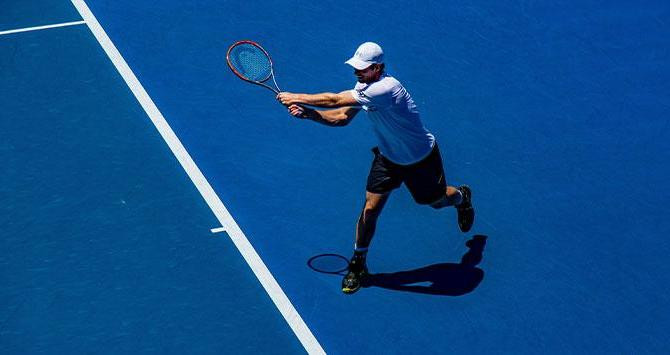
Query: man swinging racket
point(407, 151)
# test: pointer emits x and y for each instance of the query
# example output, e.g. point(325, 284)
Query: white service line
point(261, 271)
point(218, 230)
point(37, 28)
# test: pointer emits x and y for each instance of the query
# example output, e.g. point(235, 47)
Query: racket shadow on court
point(444, 279)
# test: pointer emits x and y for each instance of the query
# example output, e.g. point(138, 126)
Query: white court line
point(218, 230)
point(37, 28)
point(236, 235)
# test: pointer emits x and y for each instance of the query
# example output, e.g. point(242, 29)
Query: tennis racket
point(251, 63)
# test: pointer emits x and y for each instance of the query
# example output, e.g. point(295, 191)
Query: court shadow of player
point(445, 279)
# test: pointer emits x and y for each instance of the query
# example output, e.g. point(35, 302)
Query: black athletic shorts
point(424, 179)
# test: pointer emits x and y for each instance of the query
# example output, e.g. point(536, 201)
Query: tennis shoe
point(466, 213)
point(356, 276)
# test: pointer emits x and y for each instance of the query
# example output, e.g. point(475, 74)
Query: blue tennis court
point(155, 203)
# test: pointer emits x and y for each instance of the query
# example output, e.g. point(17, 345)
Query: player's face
point(369, 74)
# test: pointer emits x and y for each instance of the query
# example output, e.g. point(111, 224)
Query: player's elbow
point(333, 100)
point(341, 120)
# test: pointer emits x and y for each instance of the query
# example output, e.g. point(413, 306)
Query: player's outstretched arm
point(336, 118)
point(326, 99)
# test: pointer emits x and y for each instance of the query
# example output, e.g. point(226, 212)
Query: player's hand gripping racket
point(250, 62)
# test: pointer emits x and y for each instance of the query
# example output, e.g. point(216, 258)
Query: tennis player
point(407, 151)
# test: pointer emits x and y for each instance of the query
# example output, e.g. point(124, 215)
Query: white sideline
point(261, 271)
point(37, 28)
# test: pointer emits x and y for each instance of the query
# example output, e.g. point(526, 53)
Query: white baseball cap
point(367, 54)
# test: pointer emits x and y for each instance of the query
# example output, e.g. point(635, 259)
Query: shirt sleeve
point(374, 96)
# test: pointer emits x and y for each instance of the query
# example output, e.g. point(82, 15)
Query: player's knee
point(370, 212)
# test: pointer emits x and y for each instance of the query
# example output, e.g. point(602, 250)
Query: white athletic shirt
point(403, 139)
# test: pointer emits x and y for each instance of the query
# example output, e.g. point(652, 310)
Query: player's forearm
point(326, 99)
point(328, 117)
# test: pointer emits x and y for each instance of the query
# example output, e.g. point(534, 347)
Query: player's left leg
point(426, 181)
point(461, 198)
point(452, 197)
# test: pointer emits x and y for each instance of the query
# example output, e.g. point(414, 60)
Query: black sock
point(358, 260)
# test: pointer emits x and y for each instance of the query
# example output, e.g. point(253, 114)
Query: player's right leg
point(365, 229)
point(384, 177)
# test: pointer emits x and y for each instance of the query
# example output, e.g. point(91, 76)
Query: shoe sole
point(348, 291)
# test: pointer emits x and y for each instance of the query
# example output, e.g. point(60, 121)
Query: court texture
point(152, 202)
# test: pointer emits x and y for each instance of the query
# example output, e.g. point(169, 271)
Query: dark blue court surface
point(17, 14)
point(556, 115)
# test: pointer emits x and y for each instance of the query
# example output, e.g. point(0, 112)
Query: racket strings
point(251, 62)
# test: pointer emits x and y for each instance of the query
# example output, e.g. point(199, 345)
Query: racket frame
point(260, 82)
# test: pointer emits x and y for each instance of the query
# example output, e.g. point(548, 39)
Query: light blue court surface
point(555, 114)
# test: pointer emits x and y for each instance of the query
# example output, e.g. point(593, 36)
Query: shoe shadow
point(445, 279)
